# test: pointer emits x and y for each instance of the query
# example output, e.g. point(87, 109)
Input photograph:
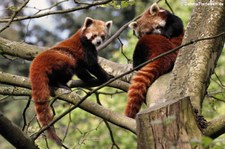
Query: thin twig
point(51, 105)
point(24, 114)
point(67, 128)
point(29, 123)
point(80, 3)
point(220, 82)
point(117, 34)
point(111, 94)
point(49, 8)
point(14, 15)
point(107, 124)
point(157, 1)
point(121, 49)
point(169, 6)
point(210, 96)
point(56, 12)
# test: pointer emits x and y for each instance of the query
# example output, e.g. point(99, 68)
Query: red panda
point(158, 31)
point(54, 67)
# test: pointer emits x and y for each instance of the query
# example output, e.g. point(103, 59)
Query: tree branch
point(87, 6)
point(116, 84)
point(11, 79)
point(215, 128)
point(117, 34)
point(14, 15)
point(14, 135)
point(72, 98)
point(28, 52)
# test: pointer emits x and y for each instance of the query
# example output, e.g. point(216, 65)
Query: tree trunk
point(171, 123)
point(167, 125)
point(195, 64)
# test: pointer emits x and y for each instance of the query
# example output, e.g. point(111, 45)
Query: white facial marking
point(157, 31)
point(89, 35)
point(162, 23)
point(97, 41)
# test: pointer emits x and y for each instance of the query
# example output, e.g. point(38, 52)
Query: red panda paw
point(107, 78)
point(110, 76)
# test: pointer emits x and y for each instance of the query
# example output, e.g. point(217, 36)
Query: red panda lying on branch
point(55, 67)
point(158, 31)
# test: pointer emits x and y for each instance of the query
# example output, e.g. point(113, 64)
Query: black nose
point(98, 42)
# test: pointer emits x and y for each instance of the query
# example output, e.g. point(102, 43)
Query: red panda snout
point(155, 25)
point(95, 39)
point(153, 21)
point(96, 31)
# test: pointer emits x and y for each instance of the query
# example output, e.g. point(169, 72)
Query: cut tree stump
point(168, 125)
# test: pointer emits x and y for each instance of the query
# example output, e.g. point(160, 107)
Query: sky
point(39, 4)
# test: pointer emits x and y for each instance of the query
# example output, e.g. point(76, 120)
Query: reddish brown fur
point(41, 67)
point(156, 44)
point(53, 68)
point(158, 31)
point(147, 22)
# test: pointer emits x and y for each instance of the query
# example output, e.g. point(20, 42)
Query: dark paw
point(110, 77)
point(200, 120)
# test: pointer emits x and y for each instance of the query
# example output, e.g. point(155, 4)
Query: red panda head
point(96, 31)
point(151, 22)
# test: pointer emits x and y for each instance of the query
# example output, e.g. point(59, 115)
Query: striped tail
point(40, 96)
point(139, 85)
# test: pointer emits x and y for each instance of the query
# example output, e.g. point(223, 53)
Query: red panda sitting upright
point(55, 67)
point(158, 31)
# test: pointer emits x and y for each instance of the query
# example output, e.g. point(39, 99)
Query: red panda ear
point(133, 25)
point(108, 25)
point(154, 9)
point(87, 22)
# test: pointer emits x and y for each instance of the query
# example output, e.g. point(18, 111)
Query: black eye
point(159, 27)
point(103, 37)
point(95, 35)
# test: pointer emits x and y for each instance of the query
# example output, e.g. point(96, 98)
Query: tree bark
point(167, 125)
point(195, 64)
point(190, 78)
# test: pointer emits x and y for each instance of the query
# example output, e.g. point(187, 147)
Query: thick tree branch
point(116, 84)
point(18, 49)
point(14, 134)
point(10, 79)
point(215, 128)
point(73, 98)
point(28, 52)
point(15, 91)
